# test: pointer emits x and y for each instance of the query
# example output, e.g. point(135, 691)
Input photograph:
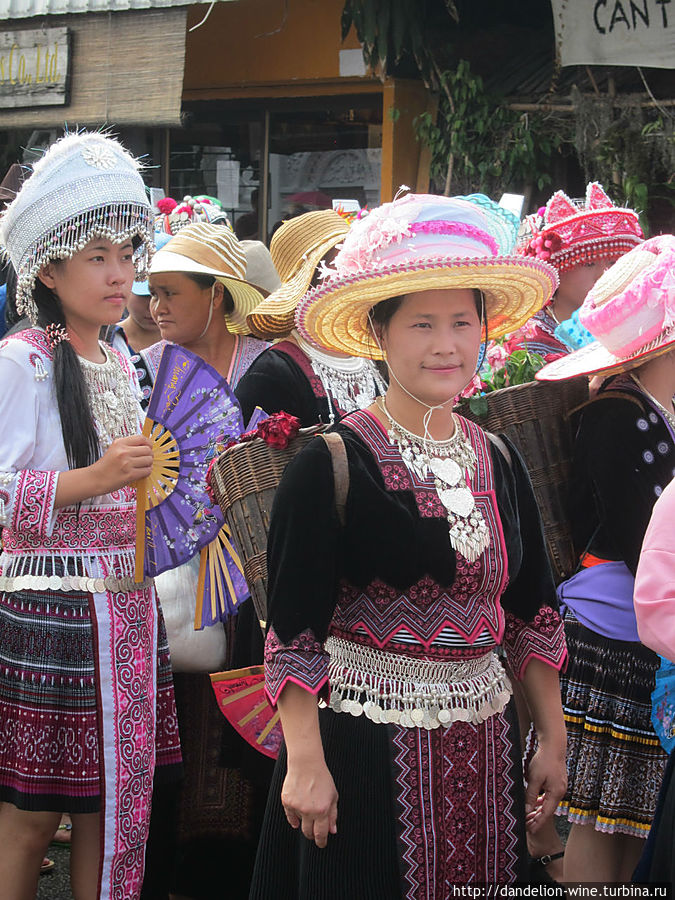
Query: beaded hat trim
point(85, 186)
point(572, 233)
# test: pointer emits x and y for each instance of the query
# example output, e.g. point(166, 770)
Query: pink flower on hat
point(362, 244)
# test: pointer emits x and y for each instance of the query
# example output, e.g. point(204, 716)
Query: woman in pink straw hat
point(624, 457)
point(581, 239)
point(401, 770)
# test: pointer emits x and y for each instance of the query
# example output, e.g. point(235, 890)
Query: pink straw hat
point(424, 242)
point(630, 311)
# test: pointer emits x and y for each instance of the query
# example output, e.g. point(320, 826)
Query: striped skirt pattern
point(615, 763)
point(49, 722)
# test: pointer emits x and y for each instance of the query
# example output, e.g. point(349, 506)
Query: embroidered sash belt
point(392, 688)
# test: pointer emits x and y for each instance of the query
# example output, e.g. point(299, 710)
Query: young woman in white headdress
point(410, 780)
point(87, 714)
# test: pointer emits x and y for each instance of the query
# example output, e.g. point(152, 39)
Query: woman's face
point(179, 306)
point(138, 307)
point(94, 284)
point(432, 343)
point(577, 282)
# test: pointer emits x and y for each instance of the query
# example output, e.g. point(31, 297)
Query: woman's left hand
point(546, 785)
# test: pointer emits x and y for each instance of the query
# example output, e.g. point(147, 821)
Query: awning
point(24, 9)
point(126, 68)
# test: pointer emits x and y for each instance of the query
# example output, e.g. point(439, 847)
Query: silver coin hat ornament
point(87, 185)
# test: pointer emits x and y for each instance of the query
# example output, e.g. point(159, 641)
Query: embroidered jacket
point(39, 541)
point(390, 579)
point(538, 336)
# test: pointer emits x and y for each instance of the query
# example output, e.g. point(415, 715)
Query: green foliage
point(389, 29)
point(478, 144)
point(628, 148)
point(478, 404)
point(521, 367)
point(507, 369)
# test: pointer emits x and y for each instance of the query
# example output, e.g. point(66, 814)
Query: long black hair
point(77, 422)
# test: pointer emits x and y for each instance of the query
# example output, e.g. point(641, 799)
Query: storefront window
point(318, 151)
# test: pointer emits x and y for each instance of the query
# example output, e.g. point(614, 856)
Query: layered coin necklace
point(113, 405)
point(351, 382)
point(451, 463)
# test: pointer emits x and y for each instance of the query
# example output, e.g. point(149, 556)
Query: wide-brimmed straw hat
point(297, 248)
point(570, 233)
point(206, 249)
point(630, 311)
point(423, 242)
point(260, 268)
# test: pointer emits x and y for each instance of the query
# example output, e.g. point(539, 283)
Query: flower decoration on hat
point(424, 242)
point(173, 215)
point(569, 233)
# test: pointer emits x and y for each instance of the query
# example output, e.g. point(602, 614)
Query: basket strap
point(338, 454)
point(501, 446)
point(608, 395)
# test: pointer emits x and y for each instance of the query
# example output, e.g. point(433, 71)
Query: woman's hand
point(546, 784)
point(126, 460)
point(310, 799)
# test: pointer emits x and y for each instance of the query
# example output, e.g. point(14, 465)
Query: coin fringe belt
point(390, 688)
point(36, 573)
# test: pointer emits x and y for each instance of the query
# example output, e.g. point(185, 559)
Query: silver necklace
point(351, 382)
point(669, 414)
point(111, 400)
point(450, 463)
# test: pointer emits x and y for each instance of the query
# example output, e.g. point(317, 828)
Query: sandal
point(62, 834)
point(46, 865)
point(538, 873)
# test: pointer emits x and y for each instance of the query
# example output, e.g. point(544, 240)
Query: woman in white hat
point(87, 713)
point(410, 780)
point(200, 299)
point(624, 457)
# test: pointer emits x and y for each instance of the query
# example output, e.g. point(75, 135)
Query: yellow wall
point(247, 45)
point(291, 48)
point(404, 159)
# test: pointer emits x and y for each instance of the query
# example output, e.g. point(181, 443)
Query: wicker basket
point(535, 417)
point(245, 479)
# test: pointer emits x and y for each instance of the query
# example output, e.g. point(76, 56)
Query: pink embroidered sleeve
point(303, 661)
point(32, 504)
point(543, 638)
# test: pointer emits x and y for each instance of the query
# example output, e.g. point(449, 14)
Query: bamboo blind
point(126, 69)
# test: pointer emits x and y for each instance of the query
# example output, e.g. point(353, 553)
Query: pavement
point(55, 885)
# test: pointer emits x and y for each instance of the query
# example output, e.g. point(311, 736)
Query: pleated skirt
point(49, 706)
point(418, 811)
point(615, 763)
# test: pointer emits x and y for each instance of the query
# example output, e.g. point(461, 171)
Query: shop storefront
point(262, 105)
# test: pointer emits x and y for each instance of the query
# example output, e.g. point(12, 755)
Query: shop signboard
point(615, 32)
point(34, 67)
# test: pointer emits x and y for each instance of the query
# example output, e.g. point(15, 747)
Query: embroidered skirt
point(49, 707)
point(418, 810)
point(615, 763)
